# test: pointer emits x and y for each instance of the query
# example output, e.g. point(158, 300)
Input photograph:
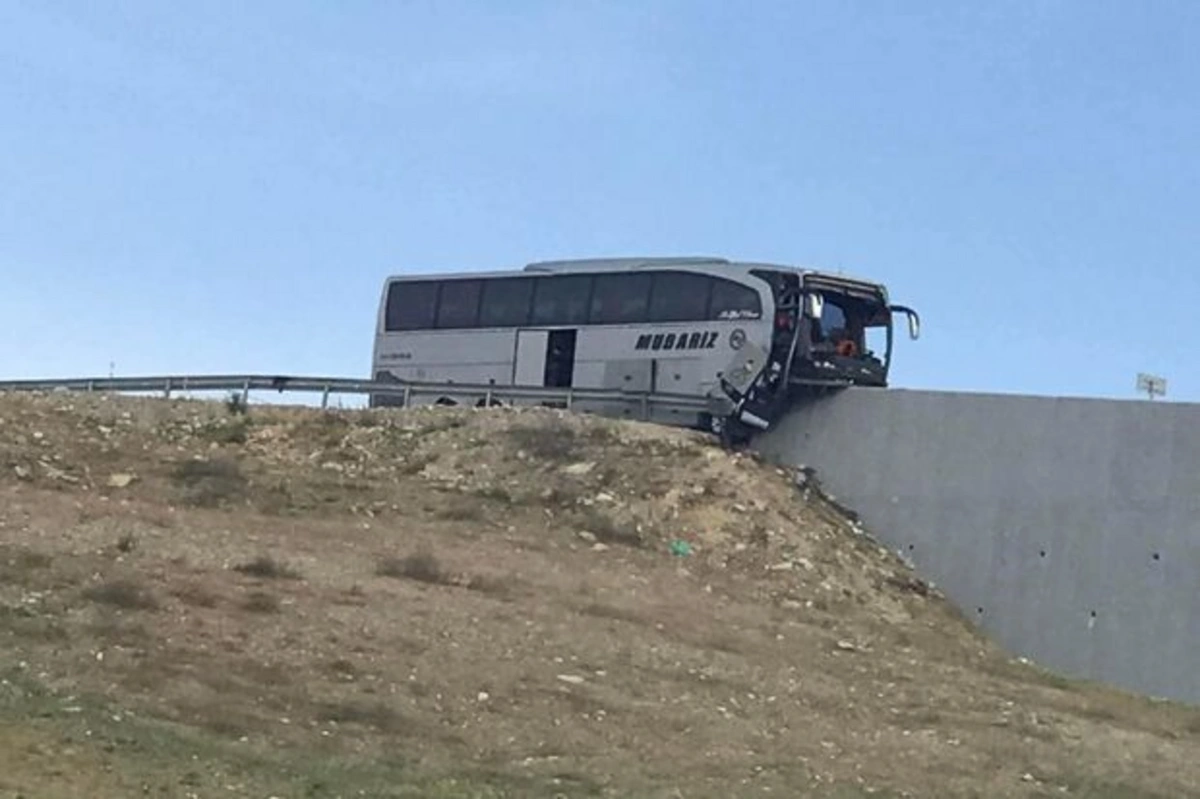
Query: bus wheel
point(445, 401)
point(489, 403)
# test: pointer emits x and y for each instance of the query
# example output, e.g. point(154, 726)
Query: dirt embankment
point(492, 603)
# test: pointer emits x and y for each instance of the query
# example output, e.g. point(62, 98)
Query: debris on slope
point(609, 482)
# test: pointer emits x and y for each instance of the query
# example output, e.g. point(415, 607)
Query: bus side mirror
point(914, 321)
point(814, 305)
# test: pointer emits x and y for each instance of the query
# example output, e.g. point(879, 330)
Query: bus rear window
point(411, 305)
point(734, 301)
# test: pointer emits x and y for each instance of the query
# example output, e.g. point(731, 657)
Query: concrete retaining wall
point(1068, 528)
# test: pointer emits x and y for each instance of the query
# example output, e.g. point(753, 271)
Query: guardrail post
point(407, 395)
point(167, 389)
point(325, 397)
point(246, 394)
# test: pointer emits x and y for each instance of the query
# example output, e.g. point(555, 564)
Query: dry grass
point(261, 602)
point(122, 593)
point(266, 567)
point(211, 483)
point(421, 566)
point(554, 667)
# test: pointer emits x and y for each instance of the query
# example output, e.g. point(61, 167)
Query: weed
point(421, 566)
point(124, 594)
point(196, 596)
point(501, 587)
point(127, 543)
point(236, 404)
point(497, 493)
point(267, 568)
point(209, 483)
point(224, 431)
point(376, 715)
point(462, 512)
point(261, 602)
point(554, 441)
point(609, 530)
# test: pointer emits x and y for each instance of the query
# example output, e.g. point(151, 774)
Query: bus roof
point(634, 263)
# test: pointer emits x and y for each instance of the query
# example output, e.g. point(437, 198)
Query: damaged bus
point(748, 337)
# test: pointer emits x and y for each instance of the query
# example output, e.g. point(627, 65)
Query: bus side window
point(458, 306)
point(562, 300)
point(679, 297)
point(506, 302)
point(411, 305)
point(734, 301)
point(620, 299)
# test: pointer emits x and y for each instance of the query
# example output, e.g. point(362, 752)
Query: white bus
point(746, 336)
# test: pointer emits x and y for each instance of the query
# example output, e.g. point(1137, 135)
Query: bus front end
point(845, 333)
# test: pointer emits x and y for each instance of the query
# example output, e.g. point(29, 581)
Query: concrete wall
point(1068, 528)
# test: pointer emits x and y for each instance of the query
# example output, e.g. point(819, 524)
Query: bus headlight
point(737, 338)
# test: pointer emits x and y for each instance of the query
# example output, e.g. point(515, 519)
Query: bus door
point(545, 358)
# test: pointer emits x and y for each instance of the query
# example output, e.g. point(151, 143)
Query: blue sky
point(222, 186)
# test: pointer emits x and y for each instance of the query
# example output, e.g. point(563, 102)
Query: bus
point(747, 337)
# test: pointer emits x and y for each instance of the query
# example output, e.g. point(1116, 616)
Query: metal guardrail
point(326, 386)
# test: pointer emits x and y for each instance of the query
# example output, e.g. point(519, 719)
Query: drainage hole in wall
point(1042, 553)
point(1155, 556)
point(1093, 614)
point(979, 611)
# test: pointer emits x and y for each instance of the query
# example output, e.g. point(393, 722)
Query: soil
point(446, 602)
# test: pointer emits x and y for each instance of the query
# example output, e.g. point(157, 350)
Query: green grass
point(165, 756)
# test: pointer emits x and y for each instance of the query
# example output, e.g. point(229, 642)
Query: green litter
point(681, 548)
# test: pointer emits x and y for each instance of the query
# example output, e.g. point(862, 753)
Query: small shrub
point(501, 587)
point(421, 566)
point(261, 602)
point(127, 543)
point(209, 483)
point(223, 431)
point(462, 512)
point(236, 404)
point(267, 568)
point(195, 596)
point(377, 715)
point(124, 594)
point(610, 531)
point(552, 441)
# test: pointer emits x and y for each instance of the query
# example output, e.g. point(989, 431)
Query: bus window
point(458, 305)
point(506, 302)
point(620, 299)
point(734, 301)
point(411, 305)
point(561, 300)
point(679, 297)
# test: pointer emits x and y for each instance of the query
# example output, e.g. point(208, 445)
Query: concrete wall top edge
point(1015, 395)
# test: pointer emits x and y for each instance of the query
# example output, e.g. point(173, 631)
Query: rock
point(587, 537)
point(120, 480)
point(573, 679)
point(578, 469)
point(846, 646)
point(599, 547)
point(785, 566)
point(23, 472)
point(605, 497)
